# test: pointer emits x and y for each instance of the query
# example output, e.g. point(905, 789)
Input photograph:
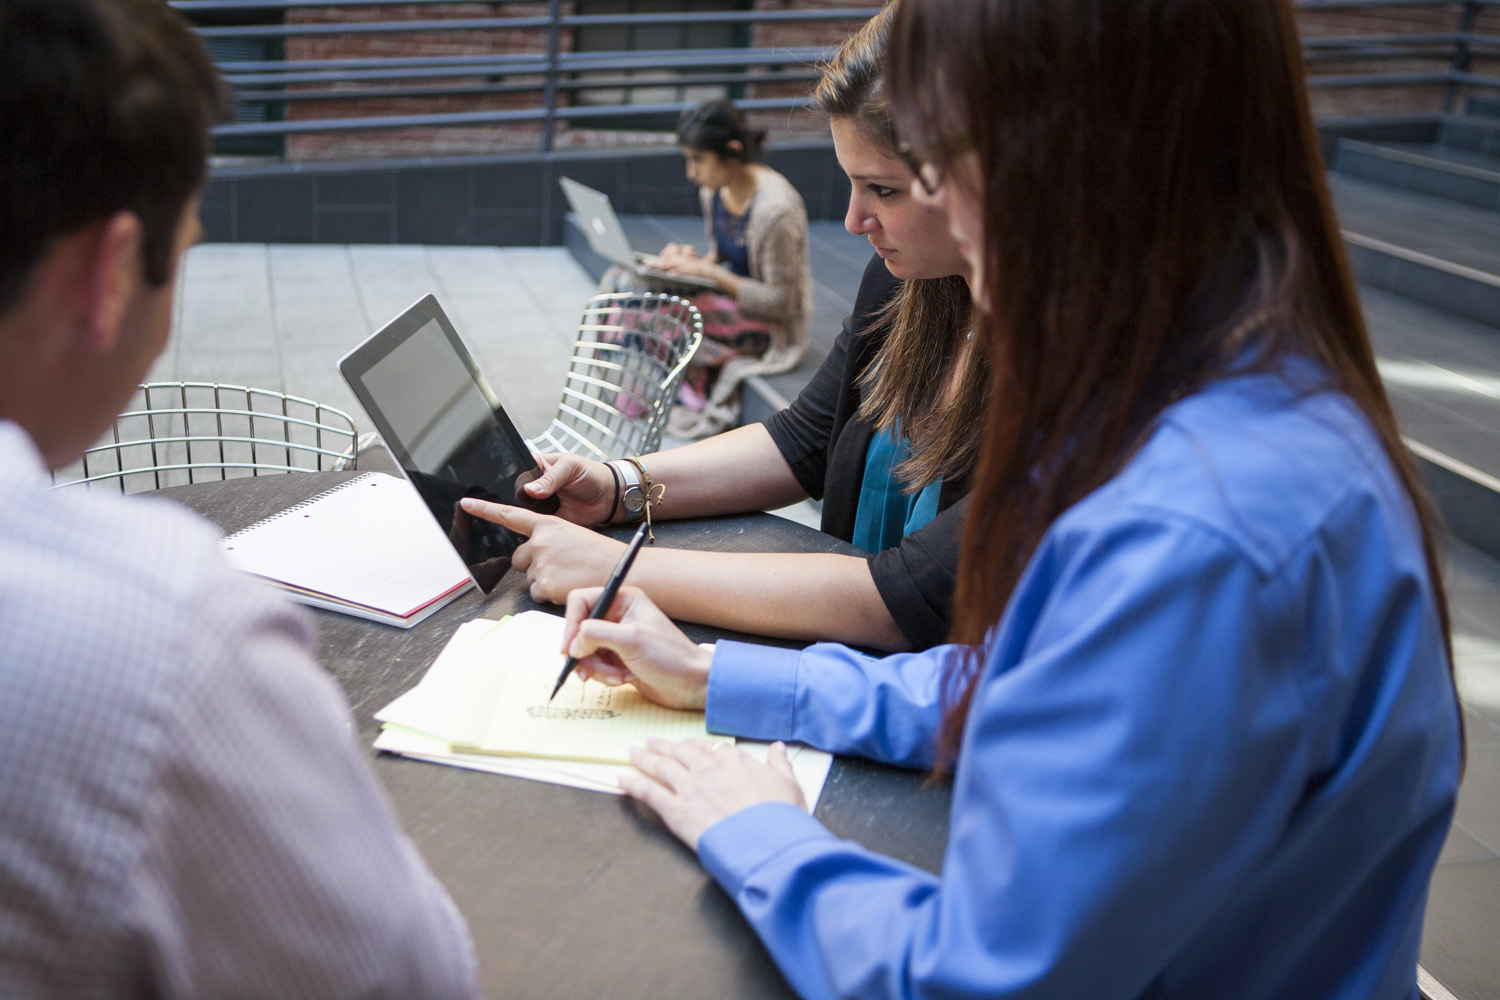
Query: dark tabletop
point(570, 893)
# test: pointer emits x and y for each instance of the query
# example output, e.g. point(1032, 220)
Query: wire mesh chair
point(175, 433)
point(631, 352)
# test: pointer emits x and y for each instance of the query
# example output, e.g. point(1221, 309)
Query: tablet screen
point(446, 430)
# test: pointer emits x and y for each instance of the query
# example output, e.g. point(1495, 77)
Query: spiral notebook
point(368, 547)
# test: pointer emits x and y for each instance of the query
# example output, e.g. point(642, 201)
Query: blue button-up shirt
point(1213, 751)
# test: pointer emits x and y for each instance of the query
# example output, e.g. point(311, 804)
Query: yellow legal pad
point(488, 693)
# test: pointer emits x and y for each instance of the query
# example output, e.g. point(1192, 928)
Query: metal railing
point(1449, 54)
point(538, 85)
point(537, 77)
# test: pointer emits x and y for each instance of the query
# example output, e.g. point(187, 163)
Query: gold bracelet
point(654, 493)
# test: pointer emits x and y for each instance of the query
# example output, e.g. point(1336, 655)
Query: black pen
point(611, 588)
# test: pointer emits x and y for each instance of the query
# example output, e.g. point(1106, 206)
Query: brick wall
point(448, 140)
point(824, 34)
point(1377, 22)
point(1328, 101)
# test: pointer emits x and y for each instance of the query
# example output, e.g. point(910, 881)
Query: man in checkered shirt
point(183, 809)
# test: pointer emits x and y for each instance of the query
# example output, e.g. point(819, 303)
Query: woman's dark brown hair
point(925, 378)
point(1152, 188)
point(716, 126)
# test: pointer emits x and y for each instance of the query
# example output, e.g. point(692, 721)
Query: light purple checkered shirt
point(184, 811)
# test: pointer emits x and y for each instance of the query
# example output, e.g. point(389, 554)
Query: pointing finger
point(517, 519)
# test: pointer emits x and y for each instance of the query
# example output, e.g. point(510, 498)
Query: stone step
point(1428, 170)
point(1477, 134)
point(1442, 374)
point(1435, 252)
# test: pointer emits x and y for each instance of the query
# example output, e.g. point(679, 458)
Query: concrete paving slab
point(258, 368)
point(279, 317)
point(315, 298)
point(1461, 846)
point(1458, 940)
point(225, 300)
point(390, 279)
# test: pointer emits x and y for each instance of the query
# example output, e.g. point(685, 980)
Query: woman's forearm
point(734, 472)
point(813, 596)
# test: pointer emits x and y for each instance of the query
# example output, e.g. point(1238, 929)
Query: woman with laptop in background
point(755, 320)
point(883, 434)
point(1203, 733)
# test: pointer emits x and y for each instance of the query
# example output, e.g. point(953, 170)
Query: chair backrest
point(175, 433)
point(631, 352)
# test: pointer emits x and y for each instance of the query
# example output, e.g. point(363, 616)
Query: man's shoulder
point(138, 542)
point(132, 585)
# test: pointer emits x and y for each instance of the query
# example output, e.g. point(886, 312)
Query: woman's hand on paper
point(693, 784)
point(558, 556)
point(636, 644)
point(585, 490)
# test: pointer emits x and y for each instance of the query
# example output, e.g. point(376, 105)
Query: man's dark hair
point(105, 106)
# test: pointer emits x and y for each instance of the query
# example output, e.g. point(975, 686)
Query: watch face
point(634, 499)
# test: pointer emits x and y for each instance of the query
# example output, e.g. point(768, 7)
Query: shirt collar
point(18, 452)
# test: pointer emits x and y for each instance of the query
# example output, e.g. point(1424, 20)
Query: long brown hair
point(1151, 184)
point(910, 381)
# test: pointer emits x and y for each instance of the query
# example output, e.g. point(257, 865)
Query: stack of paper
point(483, 704)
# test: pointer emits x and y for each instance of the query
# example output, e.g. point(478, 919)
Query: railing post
point(549, 84)
point(1460, 55)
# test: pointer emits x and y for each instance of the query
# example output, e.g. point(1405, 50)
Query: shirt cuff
point(735, 847)
point(752, 691)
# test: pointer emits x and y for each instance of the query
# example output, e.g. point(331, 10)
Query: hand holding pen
point(634, 643)
point(607, 597)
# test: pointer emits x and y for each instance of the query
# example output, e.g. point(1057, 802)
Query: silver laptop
point(607, 237)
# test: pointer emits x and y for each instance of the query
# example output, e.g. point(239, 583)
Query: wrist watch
point(633, 497)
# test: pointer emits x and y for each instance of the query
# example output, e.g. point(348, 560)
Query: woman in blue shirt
point(1199, 712)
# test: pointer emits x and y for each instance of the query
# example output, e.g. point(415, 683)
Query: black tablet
point(447, 431)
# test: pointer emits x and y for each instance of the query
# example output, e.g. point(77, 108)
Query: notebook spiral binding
point(294, 508)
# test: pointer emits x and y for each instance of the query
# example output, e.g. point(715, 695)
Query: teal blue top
point(886, 512)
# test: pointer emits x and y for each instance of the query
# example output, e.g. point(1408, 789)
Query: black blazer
point(825, 442)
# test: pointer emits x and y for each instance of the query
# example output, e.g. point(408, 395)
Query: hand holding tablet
point(447, 430)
